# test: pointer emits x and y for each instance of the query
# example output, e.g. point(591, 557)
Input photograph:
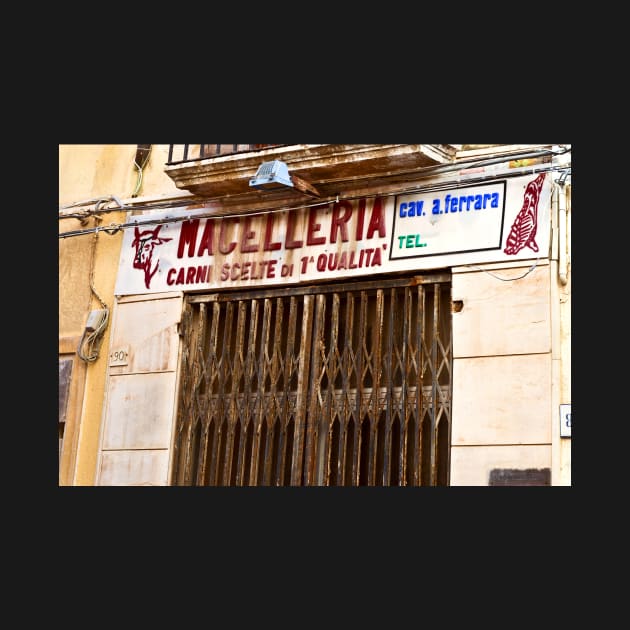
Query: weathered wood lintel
point(303, 186)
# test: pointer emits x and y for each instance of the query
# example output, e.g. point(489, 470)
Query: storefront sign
point(456, 221)
point(186, 251)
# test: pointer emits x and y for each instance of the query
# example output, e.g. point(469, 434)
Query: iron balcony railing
point(190, 152)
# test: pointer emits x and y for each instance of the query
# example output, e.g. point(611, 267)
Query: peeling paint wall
point(139, 409)
point(501, 372)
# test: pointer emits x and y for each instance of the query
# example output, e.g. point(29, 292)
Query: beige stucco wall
point(502, 370)
point(140, 401)
point(562, 351)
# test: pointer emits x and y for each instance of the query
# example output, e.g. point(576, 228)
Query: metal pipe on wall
point(562, 234)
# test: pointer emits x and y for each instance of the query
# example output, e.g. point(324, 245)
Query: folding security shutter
point(336, 385)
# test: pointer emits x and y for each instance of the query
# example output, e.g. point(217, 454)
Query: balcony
point(223, 171)
point(178, 153)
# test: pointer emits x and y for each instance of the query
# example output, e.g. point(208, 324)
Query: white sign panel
point(119, 356)
point(565, 420)
point(462, 220)
point(188, 250)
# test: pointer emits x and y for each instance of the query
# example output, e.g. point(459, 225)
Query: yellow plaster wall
point(75, 258)
point(87, 172)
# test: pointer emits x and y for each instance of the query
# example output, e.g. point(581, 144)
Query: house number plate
point(565, 420)
point(119, 356)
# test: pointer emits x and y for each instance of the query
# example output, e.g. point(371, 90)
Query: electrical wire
point(427, 171)
point(140, 161)
point(99, 201)
point(91, 340)
point(90, 343)
point(506, 279)
point(139, 182)
point(114, 228)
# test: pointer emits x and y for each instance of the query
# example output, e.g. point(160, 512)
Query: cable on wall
point(140, 161)
point(90, 343)
point(425, 172)
point(494, 275)
point(99, 208)
point(113, 228)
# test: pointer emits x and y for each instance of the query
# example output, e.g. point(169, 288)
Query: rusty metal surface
point(337, 385)
point(331, 168)
point(195, 152)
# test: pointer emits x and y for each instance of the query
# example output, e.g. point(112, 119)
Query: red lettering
point(245, 271)
point(377, 220)
point(289, 242)
point(223, 248)
point(202, 273)
point(188, 234)
point(269, 246)
point(206, 238)
point(340, 223)
point(248, 235)
point(314, 227)
point(360, 219)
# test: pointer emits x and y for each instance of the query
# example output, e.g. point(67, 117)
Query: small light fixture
point(275, 175)
point(271, 175)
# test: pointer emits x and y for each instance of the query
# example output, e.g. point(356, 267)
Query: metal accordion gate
point(331, 385)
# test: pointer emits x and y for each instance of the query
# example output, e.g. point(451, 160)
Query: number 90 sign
point(565, 420)
point(119, 356)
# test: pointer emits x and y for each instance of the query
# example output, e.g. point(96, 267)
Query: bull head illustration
point(145, 243)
